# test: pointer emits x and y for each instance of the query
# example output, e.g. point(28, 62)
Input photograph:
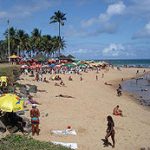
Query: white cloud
point(115, 50)
point(25, 8)
point(89, 22)
point(143, 33)
point(112, 10)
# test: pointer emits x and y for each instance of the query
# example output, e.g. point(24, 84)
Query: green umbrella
point(82, 65)
point(69, 65)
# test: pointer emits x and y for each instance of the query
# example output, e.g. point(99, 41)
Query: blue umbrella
point(52, 65)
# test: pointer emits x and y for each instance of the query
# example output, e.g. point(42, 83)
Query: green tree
point(59, 18)
point(3, 49)
point(13, 38)
point(35, 39)
point(23, 40)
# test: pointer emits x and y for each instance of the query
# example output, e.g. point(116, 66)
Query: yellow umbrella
point(13, 56)
point(11, 102)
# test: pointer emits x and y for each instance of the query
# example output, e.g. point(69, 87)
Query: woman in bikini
point(110, 131)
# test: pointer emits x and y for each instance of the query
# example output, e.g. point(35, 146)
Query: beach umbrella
point(57, 66)
point(51, 60)
point(24, 66)
point(45, 66)
point(11, 103)
point(52, 65)
point(13, 56)
point(74, 63)
point(38, 66)
point(82, 65)
point(33, 67)
point(69, 65)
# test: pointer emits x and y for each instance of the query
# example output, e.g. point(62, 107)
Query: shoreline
point(131, 95)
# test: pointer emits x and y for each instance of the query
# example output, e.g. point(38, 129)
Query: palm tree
point(23, 40)
point(13, 39)
point(3, 49)
point(46, 44)
point(59, 18)
point(35, 39)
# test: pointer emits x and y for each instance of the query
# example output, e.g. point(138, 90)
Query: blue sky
point(95, 29)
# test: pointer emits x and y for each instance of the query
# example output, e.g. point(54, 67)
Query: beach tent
point(11, 102)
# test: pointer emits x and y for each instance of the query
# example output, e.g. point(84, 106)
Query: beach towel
point(64, 132)
point(68, 145)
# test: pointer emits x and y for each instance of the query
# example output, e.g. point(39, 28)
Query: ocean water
point(139, 88)
point(130, 62)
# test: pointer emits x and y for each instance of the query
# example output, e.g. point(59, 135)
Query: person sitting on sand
point(107, 84)
point(46, 81)
point(56, 84)
point(120, 87)
point(119, 92)
point(70, 78)
point(30, 99)
point(81, 78)
point(57, 77)
point(65, 96)
point(117, 111)
point(62, 83)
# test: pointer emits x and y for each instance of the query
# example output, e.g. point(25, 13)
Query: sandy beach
point(86, 113)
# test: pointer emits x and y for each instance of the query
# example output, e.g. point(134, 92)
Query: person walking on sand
point(110, 131)
point(96, 77)
point(102, 75)
point(35, 114)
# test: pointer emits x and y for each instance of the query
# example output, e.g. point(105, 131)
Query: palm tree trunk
point(59, 39)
